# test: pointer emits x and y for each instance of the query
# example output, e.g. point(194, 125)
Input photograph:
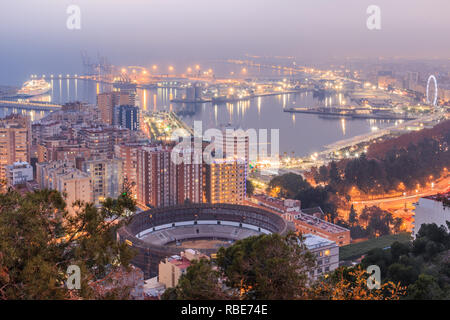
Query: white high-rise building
point(429, 210)
point(19, 173)
point(326, 252)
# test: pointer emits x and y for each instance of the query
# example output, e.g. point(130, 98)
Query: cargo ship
point(34, 88)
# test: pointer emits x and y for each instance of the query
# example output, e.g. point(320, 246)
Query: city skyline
point(250, 150)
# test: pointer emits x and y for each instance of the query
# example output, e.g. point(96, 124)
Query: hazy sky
point(34, 37)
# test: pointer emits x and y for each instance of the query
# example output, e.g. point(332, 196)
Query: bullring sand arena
point(160, 233)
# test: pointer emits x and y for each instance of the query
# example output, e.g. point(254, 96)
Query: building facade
point(171, 269)
point(62, 176)
point(128, 154)
point(156, 177)
point(19, 173)
point(106, 176)
point(161, 182)
point(129, 117)
point(109, 102)
point(429, 210)
point(306, 221)
point(225, 181)
point(326, 252)
point(15, 141)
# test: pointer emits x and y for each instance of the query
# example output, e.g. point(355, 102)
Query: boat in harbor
point(355, 113)
point(34, 88)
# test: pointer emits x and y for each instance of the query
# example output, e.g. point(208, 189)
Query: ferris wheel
point(432, 78)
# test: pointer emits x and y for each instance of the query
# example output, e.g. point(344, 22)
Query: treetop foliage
point(39, 240)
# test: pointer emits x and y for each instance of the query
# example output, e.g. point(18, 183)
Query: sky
point(34, 37)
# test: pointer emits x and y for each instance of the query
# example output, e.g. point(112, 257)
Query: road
point(440, 187)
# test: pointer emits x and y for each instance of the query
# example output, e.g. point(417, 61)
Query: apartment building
point(64, 177)
point(106, 176)
point(326, 252)
point(15, 141)
point(225, 181)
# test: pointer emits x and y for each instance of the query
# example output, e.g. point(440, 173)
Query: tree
point(335, 177)
point(318, 197)
point(267, 266)
point(431, 240)
point(398, 222)
point(399, 249)
point(378, 221)
point(379, 257)
point(402, 273)
point(39, 240)
point(289, 184)
point(425, 288)
point(404, 161)
point(423, 265)
point(322, 175)
point(352, 216)
point(351, 284)
point(200, 282)
point(250, 188)
point(358, 232)
point(262, 267)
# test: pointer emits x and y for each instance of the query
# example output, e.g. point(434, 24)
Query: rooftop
point(319, 223)
point(313, 241)
point(440, 197)
point(312, 211)
point(74, 173)
point(19, 164)
point(277, 202)
point(308, 216)
point(180, 262)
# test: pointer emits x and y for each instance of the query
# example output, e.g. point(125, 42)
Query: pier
point(24, 105)
point(350, 113)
